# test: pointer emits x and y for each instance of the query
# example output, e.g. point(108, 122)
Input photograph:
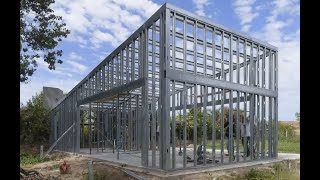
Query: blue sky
point(98, 27)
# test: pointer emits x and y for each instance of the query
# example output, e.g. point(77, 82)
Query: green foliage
point(40, 32)
point(200, 119)
point(27, 158)
point(297, 116)
point(34, 122)
point(277, 171)
point(283, 128)
point(290, 145)
point(254, 174)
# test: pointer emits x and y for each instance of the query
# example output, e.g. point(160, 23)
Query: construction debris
point(30, 175)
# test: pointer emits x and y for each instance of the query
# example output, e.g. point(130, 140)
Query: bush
point(190, 117)
point(34, 122)
point(254, 174)
point(276, 171)
point(27, 158)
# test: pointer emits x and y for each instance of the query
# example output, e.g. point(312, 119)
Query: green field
point(285, 145)
point(290, 145)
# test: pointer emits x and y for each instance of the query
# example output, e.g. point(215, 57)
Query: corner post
point(164, 90)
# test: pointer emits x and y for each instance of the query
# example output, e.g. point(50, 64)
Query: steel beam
point(217, 26)
point(221, 124)
point(145, 113)
point(187, 77)
point(164, 90)
point(195, 112)
point(231, 122)
point(276, 72)
point(106, 95)
point(184, 124)
point(209, 103)
point(204, 100)
point(118, 127)
point(173, 125)
point(238, 127)
point(252, 100)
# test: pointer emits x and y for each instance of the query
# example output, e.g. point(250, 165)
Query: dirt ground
point(79, 168)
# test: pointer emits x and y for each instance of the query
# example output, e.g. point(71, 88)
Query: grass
point(30, 155)
point(27, 158)
point(258, 174)
point(277, 171)
point(285, 145)
point(218, 145)
point(290, 145)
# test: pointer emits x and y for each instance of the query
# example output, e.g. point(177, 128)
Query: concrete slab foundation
point(131, 160)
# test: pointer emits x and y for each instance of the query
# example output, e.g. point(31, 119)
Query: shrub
point(27, 158)
point(34, 122)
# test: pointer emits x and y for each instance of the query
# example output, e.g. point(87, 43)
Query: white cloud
point(75, 37)
point(148, 7)
point(74, 56)
point(41, 63)
point(275, 31)
point(245, 12)
point(259, 7)
point(77, 66)
point(59, 72)
point(63, 71)
point(98, 37)
point(114, 20)
point(73, 13)
point(291, 7)
point(92, 25)
point(100, 57)
point(288, 43)
point(200, 4)
point(245, 28)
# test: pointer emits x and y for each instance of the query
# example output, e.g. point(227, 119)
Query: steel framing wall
point(178, 78)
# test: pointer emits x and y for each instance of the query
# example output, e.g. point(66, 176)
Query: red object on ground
point(64, 168)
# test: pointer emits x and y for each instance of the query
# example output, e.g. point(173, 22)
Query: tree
point(190, 117)
point(40, 32)
point(298, 116)
point(34, 121)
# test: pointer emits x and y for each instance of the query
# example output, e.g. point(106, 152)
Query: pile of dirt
point(50, 169)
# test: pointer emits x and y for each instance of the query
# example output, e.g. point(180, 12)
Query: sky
point(98, 27)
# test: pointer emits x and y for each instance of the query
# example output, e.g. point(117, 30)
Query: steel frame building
point(175, 62)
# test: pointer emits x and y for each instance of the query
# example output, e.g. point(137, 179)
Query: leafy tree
point(84, 115)
point(298, 116)
point(40, 32)
point(190, 117)
point(34, 122)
